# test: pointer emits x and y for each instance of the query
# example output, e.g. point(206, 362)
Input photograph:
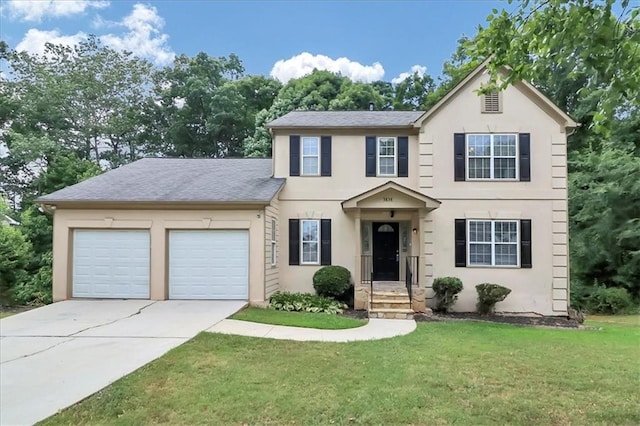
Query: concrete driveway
point(57, 355)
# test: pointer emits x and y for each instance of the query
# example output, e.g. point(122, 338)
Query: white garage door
point(209, 264)
point(111, 264)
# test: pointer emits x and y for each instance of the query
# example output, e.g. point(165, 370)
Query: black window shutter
point(525, 243)
point(325, 242)
point(371, 156)
point(294, 155)
point(461, 242)
point(294, 242)
point(525, 157)
point(403, 156)
point(325, 156)
point(459, 157)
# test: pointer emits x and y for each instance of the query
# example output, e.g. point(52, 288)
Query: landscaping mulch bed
point(562, 322)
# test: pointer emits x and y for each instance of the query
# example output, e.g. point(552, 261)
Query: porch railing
point(366, 274)
point(411, 274)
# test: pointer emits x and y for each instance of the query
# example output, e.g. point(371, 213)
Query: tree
point(197, 109)
point(581, 40)
point(87, 99)
point(15, 252)
point(413, 92)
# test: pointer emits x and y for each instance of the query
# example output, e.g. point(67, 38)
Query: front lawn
point(444, 372)
point(297, 319)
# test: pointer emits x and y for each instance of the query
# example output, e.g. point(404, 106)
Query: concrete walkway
point(375, 329)
point(57, 355)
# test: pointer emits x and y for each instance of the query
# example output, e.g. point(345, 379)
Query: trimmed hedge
point(332, 281)
point(490, 294)
point(446, 289)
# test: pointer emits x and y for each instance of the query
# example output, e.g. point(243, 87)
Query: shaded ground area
point(504, 319)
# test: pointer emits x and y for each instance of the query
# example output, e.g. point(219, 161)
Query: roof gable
point(526, 88)
point(404, 198)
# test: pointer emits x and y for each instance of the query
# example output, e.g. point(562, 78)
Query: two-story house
point(476, 188)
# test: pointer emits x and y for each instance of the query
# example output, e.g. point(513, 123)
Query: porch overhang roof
point(390, 195)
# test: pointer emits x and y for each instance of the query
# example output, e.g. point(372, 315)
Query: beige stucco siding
point(348, 177)
point(272, 272)
point(532, 289)
point(158, 222)
point(544, 288)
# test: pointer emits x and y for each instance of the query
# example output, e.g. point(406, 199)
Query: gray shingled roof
point(346, 119)
point(177, 179)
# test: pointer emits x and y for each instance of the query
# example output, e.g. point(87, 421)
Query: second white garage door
point(209, 265)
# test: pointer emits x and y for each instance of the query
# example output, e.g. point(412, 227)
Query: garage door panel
point(111, 264)
point(208, 264)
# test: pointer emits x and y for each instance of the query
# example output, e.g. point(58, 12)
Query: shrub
point(598, 299)
point(332, 281)
point(490, 294)
point(304, 302)
point(15, 253)
point(446, 289)
point(36, 290)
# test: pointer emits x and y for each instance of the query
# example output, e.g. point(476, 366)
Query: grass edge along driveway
point(297, 319)
point(449, 372)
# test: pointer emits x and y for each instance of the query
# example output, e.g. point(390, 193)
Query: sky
point(364, 40)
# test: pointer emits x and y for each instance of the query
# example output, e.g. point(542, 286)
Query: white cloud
point(304, 63)
point(144, 37)
point(35, 10)
point(34, 40)
point(421, 70)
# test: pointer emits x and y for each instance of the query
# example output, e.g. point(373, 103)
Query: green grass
point(6, 314)
point(614, 319)
point(443, 373)
point(297, 319)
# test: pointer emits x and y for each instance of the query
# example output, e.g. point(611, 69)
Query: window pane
point(309, 230)
point(386, 146)
point(480, 254)
point(480, 231)
point(309, 165)
point(479, 168)
point(479, 145)
point(506, 254)
point(504, 145)
point(506, 232)
point(309, 146)
point(387, 166)
point(504, 168)
point(309, 252)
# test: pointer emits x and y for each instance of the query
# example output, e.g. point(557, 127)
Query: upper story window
point(310, 156)
point(492, 156)
point(387, 154)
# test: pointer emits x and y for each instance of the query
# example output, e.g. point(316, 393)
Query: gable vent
point(492, 102)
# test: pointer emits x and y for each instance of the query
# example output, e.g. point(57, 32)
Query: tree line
point(76, 111)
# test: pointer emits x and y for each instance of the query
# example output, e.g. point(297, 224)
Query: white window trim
point(492, 157)
point(274, 253)
point(302, 156)
point(317, 261)
point(395, 156)
point(493, 243)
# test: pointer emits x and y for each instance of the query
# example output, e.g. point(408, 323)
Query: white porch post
point(357, 279)
point(422, 213)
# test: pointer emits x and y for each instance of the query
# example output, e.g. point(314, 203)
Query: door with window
point(386, 254)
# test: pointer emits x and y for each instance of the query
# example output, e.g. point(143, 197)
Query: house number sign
point(387, 199)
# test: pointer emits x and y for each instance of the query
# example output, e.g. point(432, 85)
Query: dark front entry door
point(386, 257)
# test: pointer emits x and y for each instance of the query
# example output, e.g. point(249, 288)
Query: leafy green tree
point(604, 219)
point(197, 111)
point(87, 99)
point(413, 92)
point(15, 253)
point(594, 45)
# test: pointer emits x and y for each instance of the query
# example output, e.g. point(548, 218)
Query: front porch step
point(391, 295)
point(384, 303)
point(391, 313)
